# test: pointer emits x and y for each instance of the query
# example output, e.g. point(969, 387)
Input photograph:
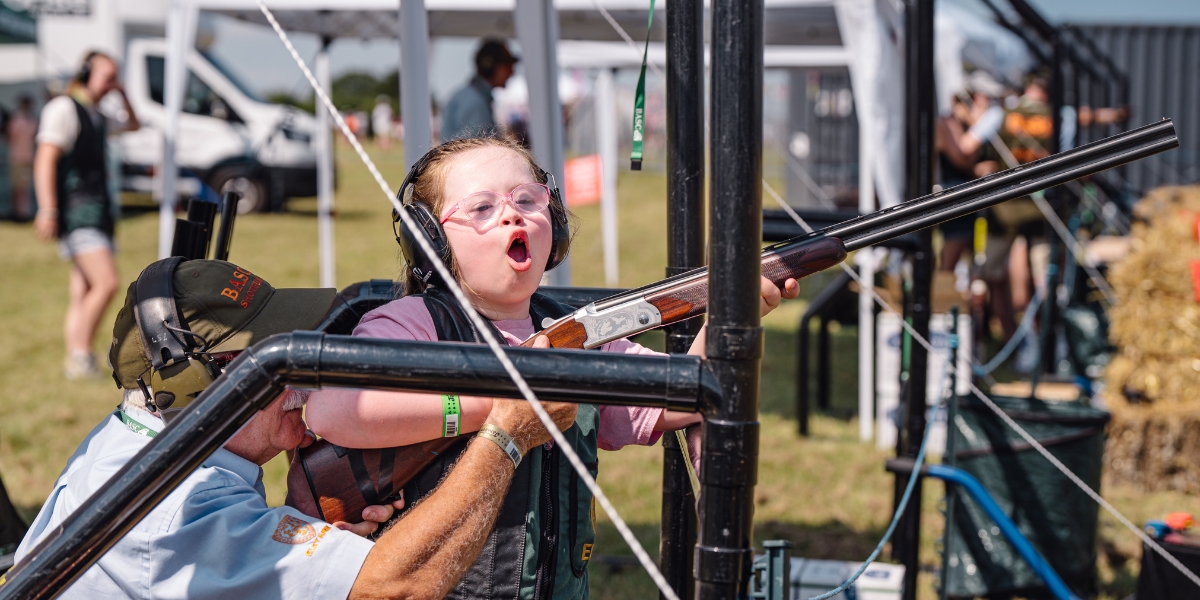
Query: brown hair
point(430, 185)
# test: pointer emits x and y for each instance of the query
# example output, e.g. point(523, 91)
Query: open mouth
point(518, 251)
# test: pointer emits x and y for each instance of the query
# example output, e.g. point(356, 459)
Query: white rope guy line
point(1076, 248)
point(974, 389)
point(478, 321)
point(628, 40)
point(1004, 416)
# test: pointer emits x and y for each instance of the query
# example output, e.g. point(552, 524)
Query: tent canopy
point(789, 22)
point(16, 26)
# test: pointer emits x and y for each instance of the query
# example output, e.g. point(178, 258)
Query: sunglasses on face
point(482, 207)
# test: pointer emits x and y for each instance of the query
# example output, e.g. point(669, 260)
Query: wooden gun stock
point(335, 484)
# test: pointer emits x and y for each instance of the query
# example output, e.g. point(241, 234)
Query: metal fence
point(1163, 67)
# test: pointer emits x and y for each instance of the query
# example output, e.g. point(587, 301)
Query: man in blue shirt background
point(469, 111)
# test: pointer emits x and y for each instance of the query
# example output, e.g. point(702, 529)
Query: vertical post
point(948, 458)
point(725, 553)
point(685, 250)
point(181, 35)
point(325, 172)
point(415, 110)
point(920, 109)
point(606, 140)
point(537, 30)
point(1048, 342)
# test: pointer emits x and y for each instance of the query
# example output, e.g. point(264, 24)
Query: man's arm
point(426, 553)
point(45, 165)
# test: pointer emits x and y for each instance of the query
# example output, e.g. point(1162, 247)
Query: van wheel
point(254, 193)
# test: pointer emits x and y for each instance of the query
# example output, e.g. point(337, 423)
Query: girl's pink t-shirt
point(408, 319)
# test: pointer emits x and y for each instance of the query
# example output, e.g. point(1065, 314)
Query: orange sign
point(585, 179)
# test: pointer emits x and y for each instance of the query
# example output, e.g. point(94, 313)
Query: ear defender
point(179, 370)
point(560, 228)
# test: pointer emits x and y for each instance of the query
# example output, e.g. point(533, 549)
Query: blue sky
point(451, 58)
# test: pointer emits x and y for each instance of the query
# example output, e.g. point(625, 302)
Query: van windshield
point(231, 77)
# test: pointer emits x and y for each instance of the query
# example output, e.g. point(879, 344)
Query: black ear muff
point(417, 260)
point(179, 369)
point(85, 69)
point(560, 228)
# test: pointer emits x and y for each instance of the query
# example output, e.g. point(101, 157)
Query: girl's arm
point(378, 419)
point(771, 297)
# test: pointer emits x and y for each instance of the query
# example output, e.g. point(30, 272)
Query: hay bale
point(1153, 383)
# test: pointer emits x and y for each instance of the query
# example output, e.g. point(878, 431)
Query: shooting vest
point(542, 541)
point(82, 179)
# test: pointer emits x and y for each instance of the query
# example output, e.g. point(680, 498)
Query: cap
point(230, 307)
point(491, 54)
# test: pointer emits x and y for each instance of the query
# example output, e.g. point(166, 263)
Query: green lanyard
point(639, 103)
point(136, 426)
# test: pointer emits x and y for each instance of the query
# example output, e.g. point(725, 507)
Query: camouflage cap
point(230, 307)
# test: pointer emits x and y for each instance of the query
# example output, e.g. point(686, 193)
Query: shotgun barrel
point(686, 295)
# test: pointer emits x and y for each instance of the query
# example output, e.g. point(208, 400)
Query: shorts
point(83, 241)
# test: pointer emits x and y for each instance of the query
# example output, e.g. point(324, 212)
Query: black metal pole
point(256, 377)
point(921, 110)
point(725, 553)
point(1048, 338)
point(685, 251)
point(225, 233)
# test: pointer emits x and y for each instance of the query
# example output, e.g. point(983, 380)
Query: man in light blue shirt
point(469, 111)
point(214, 535)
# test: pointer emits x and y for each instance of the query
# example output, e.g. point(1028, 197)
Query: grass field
point(828, 493)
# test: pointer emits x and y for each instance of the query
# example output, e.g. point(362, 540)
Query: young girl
point(497, 213)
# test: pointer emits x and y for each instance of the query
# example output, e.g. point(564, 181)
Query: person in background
point(381, 121)
point(469, 111)
point(20, 131)
point(74, 202)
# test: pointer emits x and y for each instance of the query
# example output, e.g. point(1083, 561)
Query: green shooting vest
point(542, 541)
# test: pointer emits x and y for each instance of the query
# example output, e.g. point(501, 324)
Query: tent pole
point(606, 140)
point(325, 172)
point(181, 35)
point(415, 109)
point(537, 29)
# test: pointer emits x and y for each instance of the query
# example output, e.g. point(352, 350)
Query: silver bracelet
point(503, 440)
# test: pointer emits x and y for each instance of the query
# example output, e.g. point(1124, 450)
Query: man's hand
point(46, 225)
point(772, 296)
point(518, 419)
point(373, 517)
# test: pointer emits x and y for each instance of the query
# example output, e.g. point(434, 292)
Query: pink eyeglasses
point(482, 207)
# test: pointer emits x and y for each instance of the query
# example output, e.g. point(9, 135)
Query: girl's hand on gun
point(772, 296)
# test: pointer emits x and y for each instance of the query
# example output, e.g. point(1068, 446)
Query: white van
point(228, 137)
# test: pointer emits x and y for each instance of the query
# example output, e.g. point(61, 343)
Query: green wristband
point(503, 440)
point(451, 412)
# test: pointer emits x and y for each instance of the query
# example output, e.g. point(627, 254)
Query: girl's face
point(500, 261)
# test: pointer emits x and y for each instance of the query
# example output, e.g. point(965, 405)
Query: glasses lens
point(480, 206)
point(530, 197)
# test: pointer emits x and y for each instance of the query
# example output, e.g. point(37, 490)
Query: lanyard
point(639, 103)
point(135, 426)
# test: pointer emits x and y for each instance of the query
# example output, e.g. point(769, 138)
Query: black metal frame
point(255, 379)
point(685, 251)
point(919, 156)
point(724, 552)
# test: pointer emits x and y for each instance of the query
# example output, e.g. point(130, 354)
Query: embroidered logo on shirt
point(293, 531)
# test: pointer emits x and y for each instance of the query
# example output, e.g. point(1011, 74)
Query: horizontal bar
point(259, 375)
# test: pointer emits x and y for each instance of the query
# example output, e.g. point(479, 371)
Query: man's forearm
point(427, 552)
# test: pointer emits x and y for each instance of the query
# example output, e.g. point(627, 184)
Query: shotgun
point(342, 483)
